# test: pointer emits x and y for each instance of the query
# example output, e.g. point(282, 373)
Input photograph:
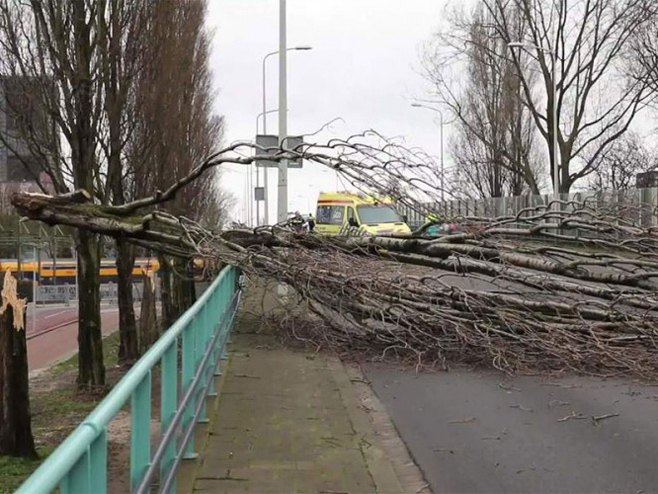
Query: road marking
point(57, 313)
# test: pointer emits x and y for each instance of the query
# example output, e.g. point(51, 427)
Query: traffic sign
point(270, 145)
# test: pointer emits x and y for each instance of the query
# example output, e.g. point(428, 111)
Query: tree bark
point(128, 344)
point(189, 287)
point(166, 299)
point(91, 369)
point(184, 293)
point(148, 324)
point(15, 418)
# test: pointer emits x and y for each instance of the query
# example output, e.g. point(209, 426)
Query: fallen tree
point(569, 286)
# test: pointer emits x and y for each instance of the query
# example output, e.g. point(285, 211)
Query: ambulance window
point(330, 215)
point(323, 214)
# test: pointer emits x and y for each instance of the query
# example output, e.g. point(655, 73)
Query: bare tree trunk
point(189, 289)
point(177, 290)
point(166, 298)
point(119, 31)
point(15, 418)
point(148, 324)
point(84, 138)
point(91, 370)
point(128, 345)
point(184, 293)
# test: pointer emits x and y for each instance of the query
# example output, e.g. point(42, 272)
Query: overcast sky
point(363, 68)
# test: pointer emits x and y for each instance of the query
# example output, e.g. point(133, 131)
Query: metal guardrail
point(642, 205)
point(198, 340)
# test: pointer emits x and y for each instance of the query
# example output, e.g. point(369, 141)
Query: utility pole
point(282, 199)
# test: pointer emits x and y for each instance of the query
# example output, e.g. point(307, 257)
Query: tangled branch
point(571, 286)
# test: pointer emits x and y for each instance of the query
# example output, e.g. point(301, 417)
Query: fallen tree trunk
point(479, 298)
point(544, 289)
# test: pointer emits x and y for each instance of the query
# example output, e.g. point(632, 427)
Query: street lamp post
point(418, 105)
point(265, 112)
point(247, 209)
point(556, 167)
point(282, 185)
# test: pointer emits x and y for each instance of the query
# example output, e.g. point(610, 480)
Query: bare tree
point(175, 80)
point(493, 149)
point(624, 159)
point(122, 39)
point(219, 203)
point(50, 49)
point(76, 84)
point(588, 41)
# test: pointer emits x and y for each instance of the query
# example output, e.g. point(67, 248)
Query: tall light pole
point(265, 112)
point(418, 105)
point(282, 183)
point(556, 167)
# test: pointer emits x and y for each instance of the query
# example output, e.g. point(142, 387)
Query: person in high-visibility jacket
point(433, 226)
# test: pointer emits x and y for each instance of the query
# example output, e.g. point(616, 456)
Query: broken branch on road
point(597, 419)
point(572, 415)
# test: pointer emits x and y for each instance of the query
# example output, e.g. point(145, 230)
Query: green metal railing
point(198, 341)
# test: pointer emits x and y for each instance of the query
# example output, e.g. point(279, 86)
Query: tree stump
point(15, 418)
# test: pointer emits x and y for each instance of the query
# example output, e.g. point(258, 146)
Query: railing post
point(214, 324)
point(98, 463)
point(140, 430)
point(168, 404)
point(78, 479)
point(218, 314)
point(189, 361)
point(203, 329)
point(225, 291)
point(232, 286)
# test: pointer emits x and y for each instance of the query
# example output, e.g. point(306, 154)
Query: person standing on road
point(311, 223)
point(297, 222)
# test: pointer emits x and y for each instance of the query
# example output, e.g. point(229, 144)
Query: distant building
point(27, 136)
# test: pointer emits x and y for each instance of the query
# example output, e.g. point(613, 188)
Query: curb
point(36, 334)
point(387, 458)
point(408, 472)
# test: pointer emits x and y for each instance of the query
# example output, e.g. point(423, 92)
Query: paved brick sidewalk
point(287, 422)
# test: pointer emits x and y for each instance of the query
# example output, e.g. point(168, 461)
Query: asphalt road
point(53, 334)
point(481, 432)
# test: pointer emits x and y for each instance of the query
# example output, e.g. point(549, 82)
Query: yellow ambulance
point(339, 212)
